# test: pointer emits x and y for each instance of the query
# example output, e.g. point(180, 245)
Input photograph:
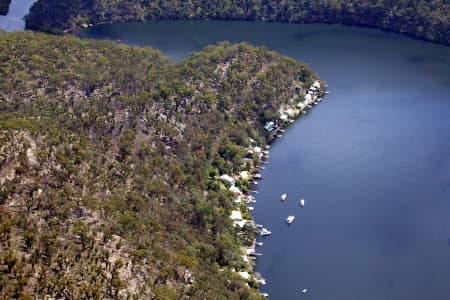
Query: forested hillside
point(424, 19)
point(4, 7)
point(109, 165)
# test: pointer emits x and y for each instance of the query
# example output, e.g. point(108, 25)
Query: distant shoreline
point(420, 19)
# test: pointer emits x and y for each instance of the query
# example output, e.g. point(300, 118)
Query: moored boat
point(302, 202)
point(283, 197)
point(264, 231)
point(290, 219)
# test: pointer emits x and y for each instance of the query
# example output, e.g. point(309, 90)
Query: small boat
point(304, 291)
point(302, 202)
point(290, 219)
point(304, 112)
point(259, 243)
point(264, 295)
point(283, 197)
point(259, 226)
point(262, 281)
point(255, 182)
point(264, 231)
point(250, 208)
point(326, 92)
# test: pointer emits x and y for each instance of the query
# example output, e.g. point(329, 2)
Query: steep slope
point(428, 20)
point(109, 164)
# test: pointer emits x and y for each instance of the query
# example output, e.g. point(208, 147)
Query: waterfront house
point(269, 126)
point(227, 178)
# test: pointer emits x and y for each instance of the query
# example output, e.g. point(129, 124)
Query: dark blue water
point(14, 20)
point(372, 160)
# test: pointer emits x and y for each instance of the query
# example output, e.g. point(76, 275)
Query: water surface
point(372, 160)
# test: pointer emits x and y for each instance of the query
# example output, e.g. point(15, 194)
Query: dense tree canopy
point(4, 7)
point(109, 157)
point(424, 19)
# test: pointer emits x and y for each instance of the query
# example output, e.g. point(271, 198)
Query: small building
point(240, 223)
point(244, 175)
point(301, 105)
point(290, 112)
point(308, 98)
point(270, 126)
point(236, 215)
point(244, 275)
point(235, 190)
point(227, 178)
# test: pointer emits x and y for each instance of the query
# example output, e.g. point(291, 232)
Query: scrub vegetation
point(109, 164)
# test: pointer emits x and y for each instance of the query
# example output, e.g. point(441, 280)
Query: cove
point(372, 160)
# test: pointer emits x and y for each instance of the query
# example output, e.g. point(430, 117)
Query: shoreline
point(74, 29)
point(246, 225)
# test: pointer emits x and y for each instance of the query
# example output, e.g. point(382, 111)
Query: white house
point(227, 178)
point(235, 190)
point(244, 275)
point(236, 215)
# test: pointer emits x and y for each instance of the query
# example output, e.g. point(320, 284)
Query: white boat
point(262, 281)
point(250, 208)
point(264, 231)
point(302, 202)
point(304, 291)
point(304, 112)
point(290, 219)
point(264, 295)
point(283, 197)
point(259, 244)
